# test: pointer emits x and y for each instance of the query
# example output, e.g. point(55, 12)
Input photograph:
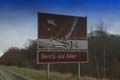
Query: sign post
point(48, 70)
point(62, 39)
point(78, 71)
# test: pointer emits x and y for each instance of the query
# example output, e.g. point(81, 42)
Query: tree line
point(104, 56)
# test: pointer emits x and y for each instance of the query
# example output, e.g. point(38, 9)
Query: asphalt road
point(5, 75)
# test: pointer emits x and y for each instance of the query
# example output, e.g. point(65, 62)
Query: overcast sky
point(18, 18)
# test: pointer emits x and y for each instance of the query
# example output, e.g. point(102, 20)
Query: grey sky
point(18, 18)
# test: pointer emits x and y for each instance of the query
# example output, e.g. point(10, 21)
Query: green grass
point(42, 75)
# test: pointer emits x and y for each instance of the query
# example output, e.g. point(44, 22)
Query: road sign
point(62, 38)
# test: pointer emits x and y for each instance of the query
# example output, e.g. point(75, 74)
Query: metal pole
point(78, 71)
point(104, 64)
point(48, 70)
point(97, 66)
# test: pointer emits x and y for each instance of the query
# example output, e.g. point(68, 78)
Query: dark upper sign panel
point(61, 31)
point(61, 27)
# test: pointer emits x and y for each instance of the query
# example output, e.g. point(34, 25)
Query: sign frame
point(38, 49)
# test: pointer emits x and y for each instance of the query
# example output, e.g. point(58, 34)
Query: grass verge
point(42, 75)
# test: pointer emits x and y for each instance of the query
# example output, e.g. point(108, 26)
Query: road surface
point(6, 75)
